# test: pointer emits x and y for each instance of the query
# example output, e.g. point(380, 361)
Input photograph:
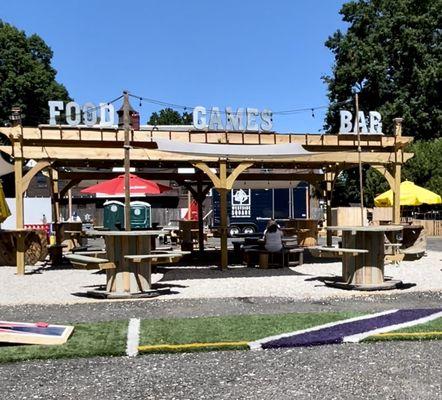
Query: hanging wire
point(283, 112)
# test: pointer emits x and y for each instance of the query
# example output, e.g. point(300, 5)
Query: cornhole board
point(34, 333)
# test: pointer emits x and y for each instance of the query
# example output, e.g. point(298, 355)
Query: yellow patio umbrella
point(4, 209)
point(411, 195)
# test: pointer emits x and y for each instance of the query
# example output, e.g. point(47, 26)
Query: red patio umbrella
point(137, 186)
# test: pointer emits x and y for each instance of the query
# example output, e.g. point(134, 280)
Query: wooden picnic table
point(127, 277)
point(363, 251)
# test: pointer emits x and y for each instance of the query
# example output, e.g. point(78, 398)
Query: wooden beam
point(117, 155)
point(41, 165)
point(69, 185)
point(223, 227)
point(207, 170)
point(329, 178)
point(236, 172)
point(19, 214)
point(385, 173)
point(180, 178)
point(55, 196)
point(397, 175)
point(232, 137)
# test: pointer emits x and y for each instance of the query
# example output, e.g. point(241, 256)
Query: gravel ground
point(67, 286)
point(399, 370)
point(187, 308)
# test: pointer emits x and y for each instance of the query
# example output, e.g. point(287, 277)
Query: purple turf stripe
point(335, 334)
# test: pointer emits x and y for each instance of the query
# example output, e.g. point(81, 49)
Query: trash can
point(140, 215)
point(113, 215)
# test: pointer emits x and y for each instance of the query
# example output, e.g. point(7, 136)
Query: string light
point(283, 112)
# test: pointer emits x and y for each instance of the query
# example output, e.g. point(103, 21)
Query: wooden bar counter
point(127, 277)
point(364, 270)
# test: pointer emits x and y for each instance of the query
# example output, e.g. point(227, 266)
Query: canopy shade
point(411, 195)
point(4, 209)
point(137, 186)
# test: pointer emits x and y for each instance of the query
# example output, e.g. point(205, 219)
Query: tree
point(425, 168)
point(27, 78)
point(168, 116)
point(346, 189)
point(391, 53)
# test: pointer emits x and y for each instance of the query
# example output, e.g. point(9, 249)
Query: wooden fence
point(432, 227)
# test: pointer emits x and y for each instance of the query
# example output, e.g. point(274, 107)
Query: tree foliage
point(27, 78)
point(425, 168)
point(391, 54)
point(168, 116)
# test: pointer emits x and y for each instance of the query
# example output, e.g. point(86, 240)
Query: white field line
point(133, 337)
point(257, 345)
point(360, 336)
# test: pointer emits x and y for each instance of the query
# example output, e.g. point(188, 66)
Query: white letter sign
point(88, 114)
point(238, 121)
point(347, 126)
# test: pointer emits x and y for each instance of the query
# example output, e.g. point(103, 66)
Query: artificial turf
point(87, 340)
point(229, 329)
point(109, 338)
point(434, 327)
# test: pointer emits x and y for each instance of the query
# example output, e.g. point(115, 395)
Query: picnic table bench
point(87, 262)
point(339, 251)
point(266, 257)
point(156, 256)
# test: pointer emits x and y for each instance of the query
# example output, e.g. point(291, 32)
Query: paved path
point(397, 370)
point(108, 311)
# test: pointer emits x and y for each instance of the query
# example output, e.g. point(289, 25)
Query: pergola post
point(199, 194)
point(329, 178)
point(19, 217)
point(222, 190)
point(223, 183)
point(67, 191)
point(199, 200)
point(55, 192)
point(397, 174)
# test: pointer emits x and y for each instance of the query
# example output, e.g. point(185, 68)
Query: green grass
point(109, 338)
point(231, 328)
point(432, 326)
point(87, 340)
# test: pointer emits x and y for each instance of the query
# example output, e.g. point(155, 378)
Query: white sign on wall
point(241, 202)
point(89, 114)
point(248, 119)
point(372, 124)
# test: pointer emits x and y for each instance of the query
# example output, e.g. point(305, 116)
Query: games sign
point(248, 119)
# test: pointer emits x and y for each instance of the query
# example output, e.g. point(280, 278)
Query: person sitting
point(273, 237)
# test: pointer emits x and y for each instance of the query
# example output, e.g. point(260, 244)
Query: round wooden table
point(127, 277)
point(364, 271)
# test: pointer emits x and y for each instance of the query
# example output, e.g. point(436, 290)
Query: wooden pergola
point(63, 150)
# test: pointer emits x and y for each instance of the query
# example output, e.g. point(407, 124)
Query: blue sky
point(264, 54)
